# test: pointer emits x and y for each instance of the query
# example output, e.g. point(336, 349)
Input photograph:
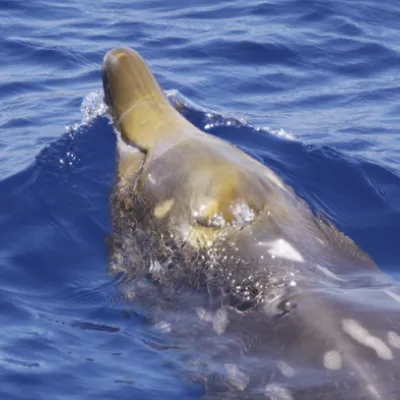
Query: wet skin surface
point(276, 301)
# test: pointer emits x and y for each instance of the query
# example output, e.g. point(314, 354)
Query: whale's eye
point(285, 307)
point(239, 302)
point(243, 299)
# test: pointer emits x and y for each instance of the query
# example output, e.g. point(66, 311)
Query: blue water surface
point(310, 88)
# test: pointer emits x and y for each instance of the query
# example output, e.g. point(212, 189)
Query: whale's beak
point(140, 110)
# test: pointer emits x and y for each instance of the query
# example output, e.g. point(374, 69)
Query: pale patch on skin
point(394, 339)
point(332, 360)
point(281, 248)
point(328, 273)
point(236, 377)
point(163, 326)
point(394, 296)
point(113, 59)
point(276, 392)
point(362, 336)
point(286, 369)
point(130, 295)
point(162, 209)
point(220, 321)
point(203, 314)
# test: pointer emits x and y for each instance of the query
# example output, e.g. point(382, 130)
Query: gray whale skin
point(265, 299)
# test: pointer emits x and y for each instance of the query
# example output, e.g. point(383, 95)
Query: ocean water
point(312, 89)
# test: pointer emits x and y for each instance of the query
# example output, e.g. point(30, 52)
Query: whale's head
point(199, 186)
point(140, 110)
point(190, 210)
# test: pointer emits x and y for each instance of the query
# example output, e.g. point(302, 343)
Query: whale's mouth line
point(129, 143)
point(146, 100)
point(106, 89)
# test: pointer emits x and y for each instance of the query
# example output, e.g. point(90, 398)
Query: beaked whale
point(277, 303)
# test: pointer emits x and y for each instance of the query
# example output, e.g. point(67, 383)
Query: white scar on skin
point(277, 392)
point(328, 273)
point(362, 336)
point(286, 369)
point(163, 326)
point(236, 377)
point(281, 248)
point(393, 339)
point(332, 360)
point(394, 296)
point(203, 314)
point(219, 319)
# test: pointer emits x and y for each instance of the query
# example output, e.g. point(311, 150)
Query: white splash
point(361, 335)
point(214, 119)
point(242, 212)
point(92, 107)
point(281, 248)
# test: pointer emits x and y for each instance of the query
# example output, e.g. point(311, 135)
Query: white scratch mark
point(362, 336)
point(328, 273)
point(372, 389)
point(394, 296)
point(286, 369)
point(394, 339)
point(155, 267)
